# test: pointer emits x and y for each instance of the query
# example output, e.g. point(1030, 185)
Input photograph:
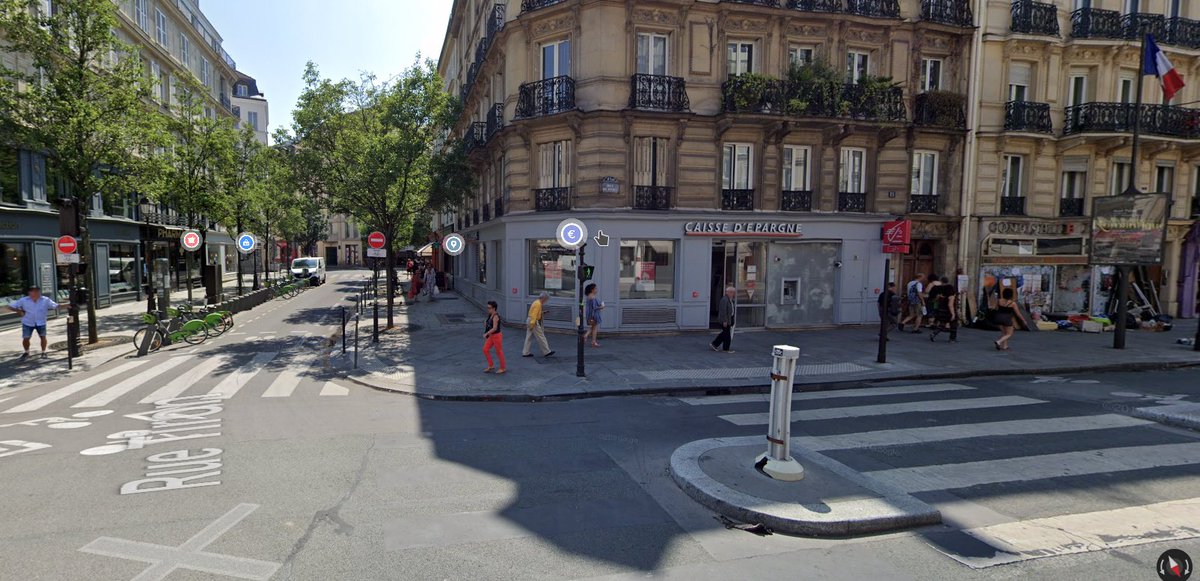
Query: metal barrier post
point(375, 304)
point(356, 341)
point(777, 462)
point(343, 329)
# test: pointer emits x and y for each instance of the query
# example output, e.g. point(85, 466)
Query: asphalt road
point(291, 472)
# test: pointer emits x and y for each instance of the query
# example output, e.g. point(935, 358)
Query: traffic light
point(586, 271)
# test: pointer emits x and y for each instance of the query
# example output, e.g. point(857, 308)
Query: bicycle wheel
point(194, 332)
point(155, 342)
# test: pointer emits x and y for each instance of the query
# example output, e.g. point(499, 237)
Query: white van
point(309, 267)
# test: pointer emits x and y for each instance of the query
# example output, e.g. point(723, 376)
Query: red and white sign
point(897, 235)
point(376, 240)
point(66, 245)
point(191, 240)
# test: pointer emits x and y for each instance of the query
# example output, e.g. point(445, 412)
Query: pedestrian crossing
point(267, 375)
point(957, 446)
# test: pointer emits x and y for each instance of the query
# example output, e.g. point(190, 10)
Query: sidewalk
point(436, 352)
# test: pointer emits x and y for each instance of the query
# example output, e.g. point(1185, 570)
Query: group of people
point(933, 299)
point(535, 330)
point(424, 280)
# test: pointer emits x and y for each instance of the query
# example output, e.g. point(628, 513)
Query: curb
point(364, 379)
point(1182, 416)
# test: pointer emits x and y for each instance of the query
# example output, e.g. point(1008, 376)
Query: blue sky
point(272, 39)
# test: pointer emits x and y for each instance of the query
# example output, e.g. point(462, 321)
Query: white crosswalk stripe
point(887, 409)
point(331, 388)
point(235, 381)
point(830, 394)
point(74, 388)
point(125, 386)
point(285, 383)
point(177, 386)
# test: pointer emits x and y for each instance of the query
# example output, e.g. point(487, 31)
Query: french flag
point(1154, 62)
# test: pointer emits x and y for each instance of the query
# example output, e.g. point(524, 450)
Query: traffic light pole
point(579, 298)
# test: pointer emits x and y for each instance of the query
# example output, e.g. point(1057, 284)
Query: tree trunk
point(85, 257)
point(391, 276)
point(187, 264)
point(240, 256)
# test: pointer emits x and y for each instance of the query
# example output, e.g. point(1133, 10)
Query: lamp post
point(146, 208)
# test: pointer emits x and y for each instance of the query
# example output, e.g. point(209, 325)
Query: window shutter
point(1020, 73)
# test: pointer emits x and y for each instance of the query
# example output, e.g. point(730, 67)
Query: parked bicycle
point(215, 322)
point(193, 332)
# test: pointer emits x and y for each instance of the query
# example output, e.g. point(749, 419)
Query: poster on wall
point(1129, 230)
point(553, 275)
point(645, 277)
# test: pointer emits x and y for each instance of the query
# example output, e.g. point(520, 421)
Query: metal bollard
point(777, 462)
point(343, 329)
point(356, 341)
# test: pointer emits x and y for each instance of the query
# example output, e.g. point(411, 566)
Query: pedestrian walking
point(592, 310)
point(889, 306)
point(534, 329)
point(725, 319)
point(34, 309)
point(431, 283)
point(1005, 317)
point(945, 317)
point(916, 304)
point(493, 338)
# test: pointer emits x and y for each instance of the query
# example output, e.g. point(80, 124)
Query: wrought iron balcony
point(754, 94)
point(796, 200)
point(476, 136)
point(652, 197)
point(458, 224)
point(658, 93)
point(1096, 23)
point(767, 3)
point(852, 202)
point(816, 5)
point(1029, 17)
point(495, 119)
point(531, 5)
point(1027, 116)
point(487, 212)
point(552, 199)
point(1137, 25)
point(546, 97)
point(1012, 206)
point(737, 199)
point(499, 204)
point(1070, 207)
point(495, 22)
point(1183, 32)
point(886, 105)
point(764, 95)
point(1162, 120)
point(941, 109)
point(924, 204)
point(475, 216)
point(951, 12)
point(876, 8)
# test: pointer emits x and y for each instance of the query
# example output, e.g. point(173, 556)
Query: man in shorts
point(33, 308)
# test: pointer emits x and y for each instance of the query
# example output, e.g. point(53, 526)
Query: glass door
point(741, 265)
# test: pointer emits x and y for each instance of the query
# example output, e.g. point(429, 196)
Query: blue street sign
point(454, 244)
point(572, 234)
point(246, 242)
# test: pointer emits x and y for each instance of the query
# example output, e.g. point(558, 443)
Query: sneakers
point(24, 356)
point(713, 347)
point(44, 356)
point(527, 355)
point(550, 354)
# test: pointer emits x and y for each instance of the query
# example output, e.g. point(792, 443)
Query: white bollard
point(777, 462)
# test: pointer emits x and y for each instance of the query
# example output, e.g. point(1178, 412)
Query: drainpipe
point(971, 150)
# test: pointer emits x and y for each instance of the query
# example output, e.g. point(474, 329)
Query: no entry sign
point(376, 240)
point(67, 245)
point(190, 240)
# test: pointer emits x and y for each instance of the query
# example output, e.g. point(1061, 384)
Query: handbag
point(436, 292)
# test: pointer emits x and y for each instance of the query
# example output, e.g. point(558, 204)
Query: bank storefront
point(668, 272)
point(1046, 261)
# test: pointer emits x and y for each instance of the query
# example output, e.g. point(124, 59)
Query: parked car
point(311, 268)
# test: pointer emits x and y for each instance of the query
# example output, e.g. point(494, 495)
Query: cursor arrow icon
point(601, 238)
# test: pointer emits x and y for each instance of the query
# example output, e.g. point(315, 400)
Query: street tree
point(274, 213)
point(244, 184)
point(82, 96)
point(369, 149)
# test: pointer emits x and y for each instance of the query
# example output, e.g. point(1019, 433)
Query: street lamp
point(146, 208)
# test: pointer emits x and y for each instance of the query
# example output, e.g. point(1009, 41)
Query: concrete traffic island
point(832, 500)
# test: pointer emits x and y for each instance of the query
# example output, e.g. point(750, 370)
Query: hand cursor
point(601, 238)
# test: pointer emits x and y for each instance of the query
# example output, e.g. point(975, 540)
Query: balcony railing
point(924, 204)
point(546, 97)
point(476, 136)
point(1070, 207)
point(1029, 17)
point(652, 197)
point(876, 8)
point(852, 202)
point(816, 5)
point(1162, 120)
point(552, 199)
point(1012, 206)
point(495, 22)
point(531, 5)
point(1138, 24)
point(1183, 32)
point(1110, 24)
point(658, 93)
point(495, 119)
point(767, 3)
point(737, 199)
point(1027, 116)
point(498, 203)
point(758, 94)
point(487, 212)
point(940, 109)
point(951, 12)
point(1096, 23)
point(796, 200)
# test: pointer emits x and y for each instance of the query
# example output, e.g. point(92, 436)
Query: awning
point(409, 248)
point(426, 250)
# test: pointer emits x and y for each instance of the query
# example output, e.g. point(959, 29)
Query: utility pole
point(1121, 272)
point(579, 298)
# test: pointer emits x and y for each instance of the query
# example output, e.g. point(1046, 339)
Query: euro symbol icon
point(601, 238)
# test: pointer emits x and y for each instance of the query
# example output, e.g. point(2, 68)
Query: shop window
point(14, 275)
point(551, 269)
point(10, 176)
point(481, 263)
point(796, 168)
point(647, 269)
point(1059, 246)
point(122, 268)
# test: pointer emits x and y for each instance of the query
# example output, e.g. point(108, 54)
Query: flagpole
point(1121, 272)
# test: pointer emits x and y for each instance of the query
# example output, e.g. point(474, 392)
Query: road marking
point(180, 384)
point(886, 409)
point(74, 388)
point(332, 389)
point(284, 384)
point(21, 447)
point(1026, 468)
point(109, 395)
point(165, 559)
point(1087, 532)
point(235, 381)
point(904, 436)
point(831, 394)
point(5, 399)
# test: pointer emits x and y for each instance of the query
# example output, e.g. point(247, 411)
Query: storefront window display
point(647, 269)
point(481, 263)
point(14, 275)
point(122, 269)
point(551, 269)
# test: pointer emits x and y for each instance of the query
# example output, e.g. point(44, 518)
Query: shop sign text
point(783, 229)
point(1035, 228)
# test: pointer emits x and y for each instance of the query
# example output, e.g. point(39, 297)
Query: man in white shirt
point(914, 294)
point(34, 309)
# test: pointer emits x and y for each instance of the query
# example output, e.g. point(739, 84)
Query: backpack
point(913, 296)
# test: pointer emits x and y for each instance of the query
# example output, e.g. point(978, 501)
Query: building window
point(1013, 167)
point(481, 263)
point(1020, 78)
point(1077, 93)
point(647, 269)
point(551, 269)
point(143, 18)
point(122, 268)
point(1074, 185)
point(795, 168)
point(1131, 6)
point(652, 54)
point(14, 274)
point(737, 163)
point(857, 63)
point(252, 119)
point(160, 20)
point(650, 161)
point(1125, 90)
point(800, 55)
point(1120, 177)
point(185, 50)
point(555, 164)
point(241, 90)
point(740, 58)
point(931, 74)
point(164, 87)
point(556, 59)
point(1164, 179)
point(854, 171)
point(924, 173)
point(205, 73)
point(10, 172)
